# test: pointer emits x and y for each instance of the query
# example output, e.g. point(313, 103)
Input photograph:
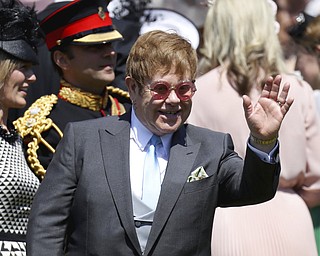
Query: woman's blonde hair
point(7, 65)
point(241, 36)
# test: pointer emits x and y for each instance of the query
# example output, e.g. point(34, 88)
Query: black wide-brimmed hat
point(19, 30)
point(78, 22)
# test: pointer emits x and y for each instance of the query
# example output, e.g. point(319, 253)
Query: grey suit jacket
point(84, 205)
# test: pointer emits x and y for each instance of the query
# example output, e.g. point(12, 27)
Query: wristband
point(263, 142)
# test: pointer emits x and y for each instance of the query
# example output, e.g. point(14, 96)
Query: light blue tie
point(151, 175)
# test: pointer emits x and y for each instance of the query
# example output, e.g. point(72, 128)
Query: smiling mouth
point(23, 90)
point(108, 65)
point(174, 113)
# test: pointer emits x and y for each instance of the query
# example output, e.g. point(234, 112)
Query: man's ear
point(318, 48)
point(61, 59)
point(131, 85)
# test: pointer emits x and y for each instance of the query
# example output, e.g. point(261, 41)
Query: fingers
point(286, 106)
point(271, 88)
point(247, 105)
point(267, 88)
point(284, 94)
point(275, 88)
point(283, 101)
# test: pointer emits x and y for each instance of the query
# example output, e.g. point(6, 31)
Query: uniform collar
point(82, 98)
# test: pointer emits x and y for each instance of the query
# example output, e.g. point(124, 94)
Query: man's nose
point(172, 97)
point(108, 50)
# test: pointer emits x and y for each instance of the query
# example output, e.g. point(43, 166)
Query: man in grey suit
point(93, 200)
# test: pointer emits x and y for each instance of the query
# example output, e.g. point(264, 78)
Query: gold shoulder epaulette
point(34, 122)
point(116, 90)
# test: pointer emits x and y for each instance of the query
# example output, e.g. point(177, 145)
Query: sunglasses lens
point(160, 91)
point(185, 91)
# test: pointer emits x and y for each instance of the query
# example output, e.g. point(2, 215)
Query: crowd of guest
point(237, 63)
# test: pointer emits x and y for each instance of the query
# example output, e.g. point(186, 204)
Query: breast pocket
point(200, 185)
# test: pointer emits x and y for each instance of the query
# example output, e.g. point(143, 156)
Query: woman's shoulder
point(213, 73)
point(295, 79)
point(298, 86)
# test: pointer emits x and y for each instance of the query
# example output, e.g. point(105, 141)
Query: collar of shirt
point(141, 135)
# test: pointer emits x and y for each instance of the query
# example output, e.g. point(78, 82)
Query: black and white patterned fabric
point(18, 186)
point(8, 248)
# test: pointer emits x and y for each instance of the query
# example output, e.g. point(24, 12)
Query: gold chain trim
point(32, 124)
point(35, 121)
point(116, 90)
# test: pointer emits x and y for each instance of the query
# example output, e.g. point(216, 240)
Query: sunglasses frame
point(170, 87)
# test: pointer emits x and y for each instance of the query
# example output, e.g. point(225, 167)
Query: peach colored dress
point(283, 225)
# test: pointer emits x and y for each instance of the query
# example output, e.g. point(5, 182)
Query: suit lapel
point(115, 151)
point(181, 160)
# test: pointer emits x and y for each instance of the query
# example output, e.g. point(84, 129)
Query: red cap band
point(88, 23)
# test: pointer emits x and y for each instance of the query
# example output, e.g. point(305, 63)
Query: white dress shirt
point(139, 138)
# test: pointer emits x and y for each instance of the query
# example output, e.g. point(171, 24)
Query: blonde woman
point(241, 49)
point(18, 184)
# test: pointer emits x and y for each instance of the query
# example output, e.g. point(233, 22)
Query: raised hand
point(265, 117)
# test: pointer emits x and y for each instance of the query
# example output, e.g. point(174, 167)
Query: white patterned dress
point(17, 188)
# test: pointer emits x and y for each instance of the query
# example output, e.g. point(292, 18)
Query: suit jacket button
point(137, 224)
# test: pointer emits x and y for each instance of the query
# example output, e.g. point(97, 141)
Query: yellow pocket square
point(197, 174)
